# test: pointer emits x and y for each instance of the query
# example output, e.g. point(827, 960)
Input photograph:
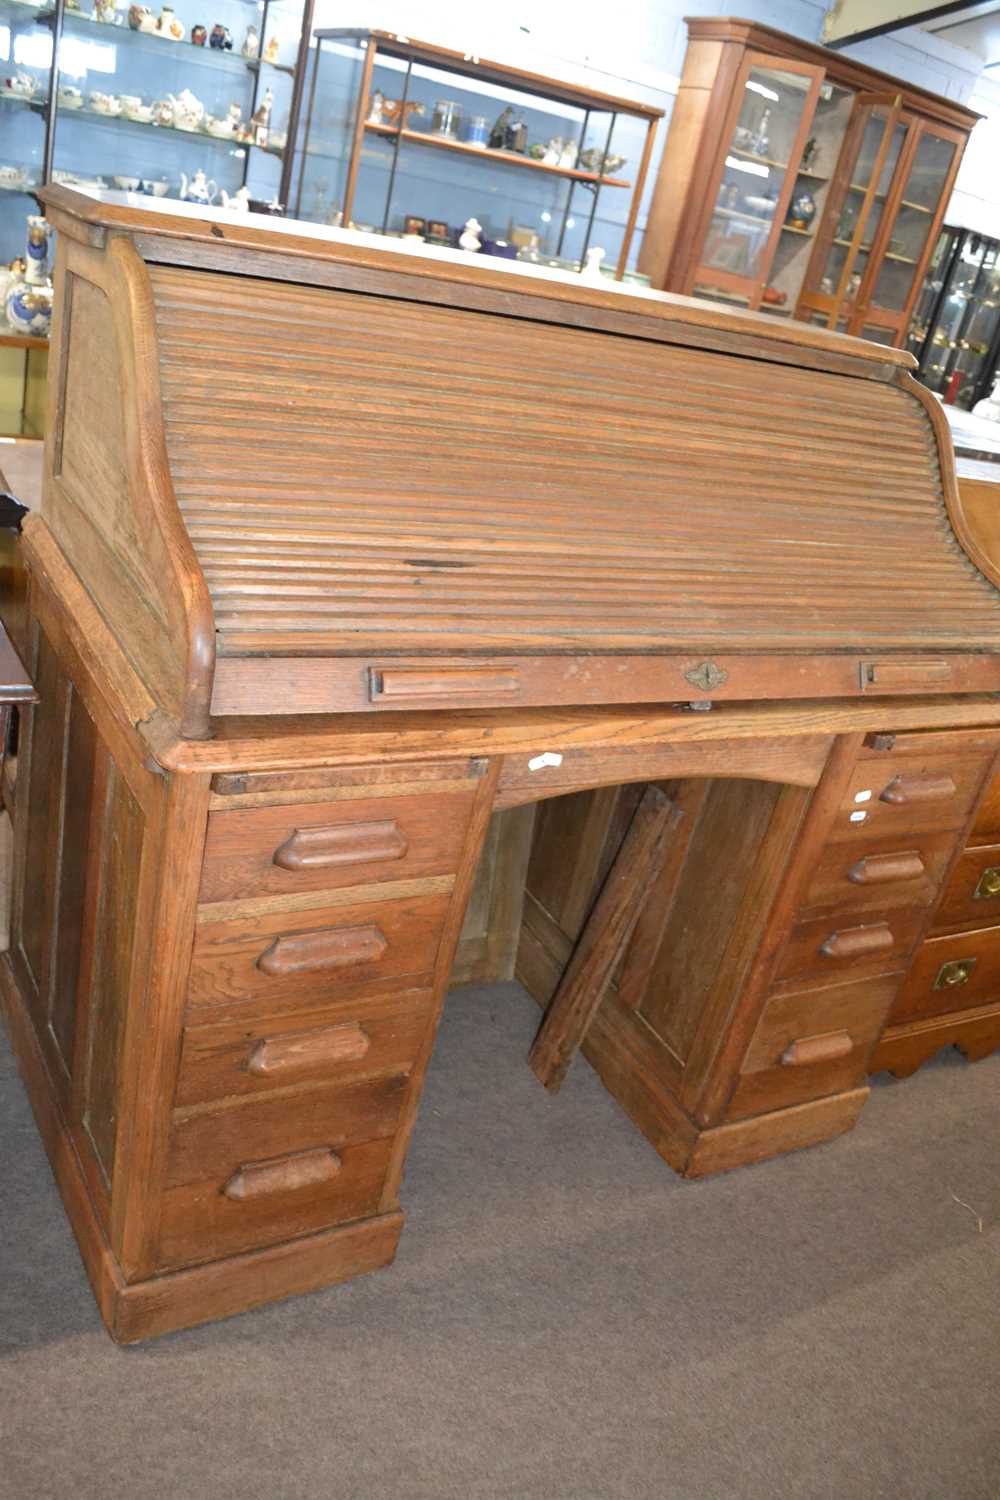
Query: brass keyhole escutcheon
point(989, 884)
point(958, 971)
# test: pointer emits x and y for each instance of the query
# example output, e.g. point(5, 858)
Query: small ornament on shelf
point(199, 34)
point(106, 11)
point(251, 43)
point(568, 154)
point(502, 127)
point(220, 38)
point(28, 303)
point(260, 120)
point(199, 189)
point(376, 108)
point(272, 50)
point(801, 211)
point(469, 238)
point(989, 407)
point(591, 268)
point(762, 140)
point(239, 202)
point(810, 155)
point(169, 26)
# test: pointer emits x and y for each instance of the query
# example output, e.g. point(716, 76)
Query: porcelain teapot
point(239, 202)
point(187, 108)
point(199, 189)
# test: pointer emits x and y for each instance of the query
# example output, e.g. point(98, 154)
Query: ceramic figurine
point(271, 50)
point(198, 190)
point(28, 303)
point(251, 43)
point(220, 38)
point(22, 85)
point(553, 151)
point(567, 156)
point(801, 210)
point(261, 118)
point(395, 112)
point(591, 268)
point(469, 238)
point(239, 202)
point(501, 130)
point(169, 26)
point(199, 34)
point(762, 140)
point(810, 155)
point(163, 112)
point(104, 10)
point(376, 108)
point(141, 18)
point(188, 110)
point(989, 407)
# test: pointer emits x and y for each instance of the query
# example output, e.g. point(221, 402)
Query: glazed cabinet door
point(765, 134)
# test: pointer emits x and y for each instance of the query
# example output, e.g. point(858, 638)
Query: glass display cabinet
point(955, 328)
point(178, 102)
point(800, 183)
point(406, 137)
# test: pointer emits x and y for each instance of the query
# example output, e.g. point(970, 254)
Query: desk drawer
point(292, 956)
point(950, 974)
point(891, 795)
point(200, 1222)
point(827, 949)
point(376, 1035)
point(879, 874)
point(310, 846)
point(972, 896)
point(811, 1043)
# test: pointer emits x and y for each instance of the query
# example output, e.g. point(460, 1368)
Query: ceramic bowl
point(127, 184)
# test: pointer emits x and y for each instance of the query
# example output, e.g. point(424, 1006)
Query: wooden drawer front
point(950, 974)
point(986, 828)
point(201, 1222)
point(908, 794)
point(383, 1035)
point(826, 949)
point(309, 846)
point(812, 1043)
point(209, 1144)
point(297, 955)
point(972, 896)
point(879, 874)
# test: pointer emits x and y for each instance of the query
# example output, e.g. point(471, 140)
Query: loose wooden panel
point(211, 1143)
point(828, 948)
point(201, 1224)
point(972, 896)
point(951, 974)
point(617, 521)
point(774, 1076)
point(316, 846)
point(378, 1036)
point(879, 873)
point(226, 953)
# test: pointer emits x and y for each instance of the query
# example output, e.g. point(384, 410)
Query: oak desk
point(535, 537)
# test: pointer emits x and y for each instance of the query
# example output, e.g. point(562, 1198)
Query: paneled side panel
point(556, 489)
point(41, 786)
point(74, 866)
point(121, 855)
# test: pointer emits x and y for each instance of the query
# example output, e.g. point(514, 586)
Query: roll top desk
point(346, 550)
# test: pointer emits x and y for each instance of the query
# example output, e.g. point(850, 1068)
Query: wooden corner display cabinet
point(799, 182)
point(293, 654)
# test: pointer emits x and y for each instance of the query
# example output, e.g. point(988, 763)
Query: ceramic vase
point(28, 302)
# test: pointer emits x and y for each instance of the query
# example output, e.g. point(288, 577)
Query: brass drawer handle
point(989, 884)
point(333, 948)
point(281, 1174)
point(287, 1054)
point(817, 1049)
point(957, 971)
point(903, 790)
point(882, 869)
point(341, 844)
point(854, 941)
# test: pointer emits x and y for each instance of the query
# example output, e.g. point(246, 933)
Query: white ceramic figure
point(239, 202)
point(21, 85)
point(469, 238)
point(104, 10)
point(567, 156)
point(553, 151)
point(169, 26)
point(376, 108)
point(251, 43)
point(28, 302)
point(591, 268)
point(188, 110)
point(272, 50)
point(199, 189)
point(989, 407)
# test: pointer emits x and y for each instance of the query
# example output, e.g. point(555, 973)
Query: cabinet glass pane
point(25, 56)
point(852, 207)
point(809, 198)
point(753, 174)
point(152, 107)
point(937, 270)
point(923, 188)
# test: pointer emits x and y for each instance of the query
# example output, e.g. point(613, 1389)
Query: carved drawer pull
point(281, 1174)
point(817, 1049)
point(958, 971)
point(905, 790)
point(287, 1054)
point(989, 884)
point(341, 844)
point(883, 869)
point(900, 673)
point(416, 684)
point(854, 941)
point(333, 948)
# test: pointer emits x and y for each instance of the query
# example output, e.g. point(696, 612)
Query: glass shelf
point(148, 42)
point(762, 161)
point(791, 229)
point(144, 128)
point(483, 153)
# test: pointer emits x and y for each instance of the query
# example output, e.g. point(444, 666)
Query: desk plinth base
point(200, 1294)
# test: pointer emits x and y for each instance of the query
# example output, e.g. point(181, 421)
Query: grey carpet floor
point(565, 1317)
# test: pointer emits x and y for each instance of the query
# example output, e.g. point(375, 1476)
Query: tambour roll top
point(420, 481)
